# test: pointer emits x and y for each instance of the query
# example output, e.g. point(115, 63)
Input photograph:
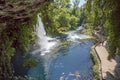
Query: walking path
point(106, 65)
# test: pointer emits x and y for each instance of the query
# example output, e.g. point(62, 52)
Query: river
point(61, 61)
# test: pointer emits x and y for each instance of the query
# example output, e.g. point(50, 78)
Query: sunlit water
point(73, 64)
point(45, 43)
point(62, 61)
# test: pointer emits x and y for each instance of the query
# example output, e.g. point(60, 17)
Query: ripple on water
point(76, 64)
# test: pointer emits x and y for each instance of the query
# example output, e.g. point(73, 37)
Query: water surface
point(61, 61)
point(73, 64)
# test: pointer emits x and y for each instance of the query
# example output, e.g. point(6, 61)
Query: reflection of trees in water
point(64, 48)
point(67, 45)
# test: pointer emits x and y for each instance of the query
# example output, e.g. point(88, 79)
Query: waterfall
point(45, 43)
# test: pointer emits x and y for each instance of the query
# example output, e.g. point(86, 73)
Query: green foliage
point(58, 17)
point(15, 36)
point(105, 14)
point(73, 21)
point(6, 48)
point(6, 52)
point(96, 64)
point(88, 28)
point(112, 25)
point(76, 8)
point(31, 62)
point(24, 35)
point(23, 38)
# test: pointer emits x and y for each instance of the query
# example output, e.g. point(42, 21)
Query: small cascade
point(76, 36)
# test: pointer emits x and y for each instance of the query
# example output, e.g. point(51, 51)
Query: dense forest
point(104, 15)
point(59, 12)
point(17, 30)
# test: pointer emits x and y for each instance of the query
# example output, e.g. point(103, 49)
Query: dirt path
point(107, 66)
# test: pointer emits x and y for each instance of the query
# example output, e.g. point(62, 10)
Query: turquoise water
point(37, 73)
point(72, 62)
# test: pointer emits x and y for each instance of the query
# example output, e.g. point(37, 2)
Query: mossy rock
point(31, 62)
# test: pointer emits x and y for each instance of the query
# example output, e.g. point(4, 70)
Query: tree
point(105, 14)
point(58, 17)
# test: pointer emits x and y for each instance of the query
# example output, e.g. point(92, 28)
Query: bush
point(31, 62)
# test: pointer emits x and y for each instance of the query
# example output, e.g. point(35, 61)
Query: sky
point(81, 2)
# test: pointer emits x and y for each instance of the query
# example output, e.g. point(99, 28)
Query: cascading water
point(46, 43)
point(75, 35)
point(65, 67)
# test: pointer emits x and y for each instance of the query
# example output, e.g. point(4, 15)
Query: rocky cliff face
point(17, 11)
point(15, 31)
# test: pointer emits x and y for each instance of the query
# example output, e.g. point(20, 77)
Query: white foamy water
point(46, 43)
point(76, 36)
